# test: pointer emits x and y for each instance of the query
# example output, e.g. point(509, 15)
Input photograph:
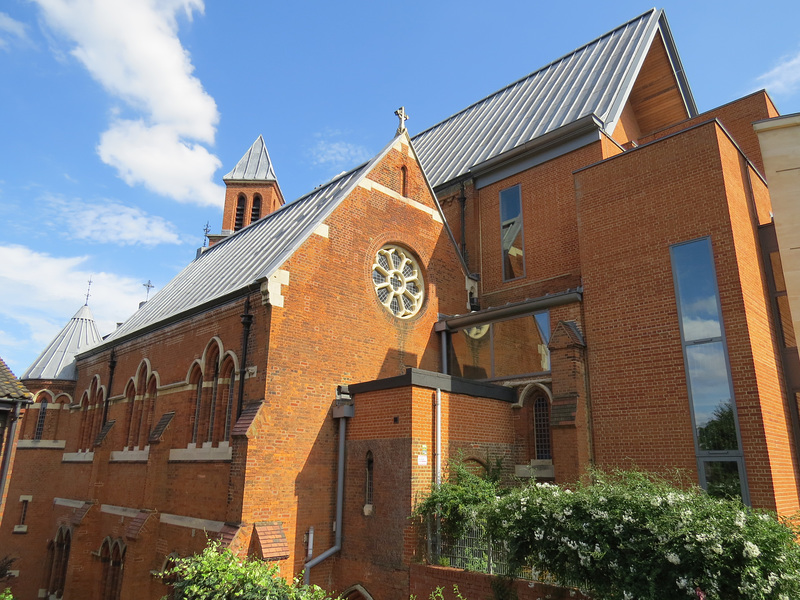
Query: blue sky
point(118, 119)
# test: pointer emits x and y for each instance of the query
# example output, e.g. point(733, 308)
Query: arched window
point(404, 181)
point(148, 411)
point(227, 383)
point(57, 561)
point(133, 424)
point(198, 403)
point(255, 212)
point(369, 487)
point(114, 581)
point(241, 203)
point(541, 427)
point(213, 407)
point(37, 433)
point(83, 436)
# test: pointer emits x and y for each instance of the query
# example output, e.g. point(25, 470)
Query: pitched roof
point(255, 165)
point(10, 386)
point(248, 256)
point(594, 80)
point(57, 361)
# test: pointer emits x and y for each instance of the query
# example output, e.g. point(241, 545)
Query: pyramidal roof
point(255, 165)
point(592, 82)
point(58, 359)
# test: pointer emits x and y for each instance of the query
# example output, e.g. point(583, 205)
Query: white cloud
point(9, 28)
point(132, 49)
point(42, 292)
point(114, 223)
point(157, 158)
point(784, 78)
point(338, 154)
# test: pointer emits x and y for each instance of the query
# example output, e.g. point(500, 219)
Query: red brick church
point(577, 270)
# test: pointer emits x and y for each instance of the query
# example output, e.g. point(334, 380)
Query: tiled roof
point(255, 165)
point(57, 361)
point(594, 80)
point(10, 386)
point(272, 541)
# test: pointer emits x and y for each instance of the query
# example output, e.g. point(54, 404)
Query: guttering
point(509, 311)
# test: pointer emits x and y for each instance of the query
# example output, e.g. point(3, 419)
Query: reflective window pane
point(511, 232)
point(722, 479)
point(711, 397)
point(470, 353)
point(693, 266)
point(520, 347)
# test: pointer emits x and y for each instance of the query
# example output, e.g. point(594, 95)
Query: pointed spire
point(255, 165)
point(58, 359)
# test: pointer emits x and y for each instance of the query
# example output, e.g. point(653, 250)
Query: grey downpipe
point(12, 430)
point(339, 506)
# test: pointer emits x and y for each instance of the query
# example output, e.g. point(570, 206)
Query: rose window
point(398, 281)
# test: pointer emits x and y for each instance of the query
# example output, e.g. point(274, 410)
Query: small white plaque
point(422, 460)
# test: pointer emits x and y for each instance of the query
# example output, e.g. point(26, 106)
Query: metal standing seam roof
point(255, 165)
point(246, 257)
point(57, 361)
point(595, 79)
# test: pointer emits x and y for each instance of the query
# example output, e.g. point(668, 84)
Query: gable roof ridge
point(539, 70)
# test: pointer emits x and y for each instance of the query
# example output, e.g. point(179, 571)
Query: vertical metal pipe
point(438, 437)
point(247, 321)
point(339, 505)
point(12, 430)
point(112, 364)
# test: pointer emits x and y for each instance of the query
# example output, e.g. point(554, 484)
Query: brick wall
point(682, 188)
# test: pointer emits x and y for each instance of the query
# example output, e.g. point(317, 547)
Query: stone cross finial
point(149, 285)
point(401, 114)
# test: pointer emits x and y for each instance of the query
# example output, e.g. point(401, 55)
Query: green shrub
point(633, 536)
point(218, 574)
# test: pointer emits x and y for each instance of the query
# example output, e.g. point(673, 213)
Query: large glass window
point(511, 233)
point(716, 431)
point(503, 349)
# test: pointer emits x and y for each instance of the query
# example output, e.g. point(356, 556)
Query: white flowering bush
point(218, 574)
point(632, 536)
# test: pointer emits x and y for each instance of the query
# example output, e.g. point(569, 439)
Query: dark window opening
point(255, 211)
point(369, 488)
point(240, 206)
point(541, 428)
point(37, 434)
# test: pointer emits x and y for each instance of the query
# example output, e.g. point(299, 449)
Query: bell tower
point(251, 191)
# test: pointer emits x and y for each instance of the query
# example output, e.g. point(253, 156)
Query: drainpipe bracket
point(344, 411)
